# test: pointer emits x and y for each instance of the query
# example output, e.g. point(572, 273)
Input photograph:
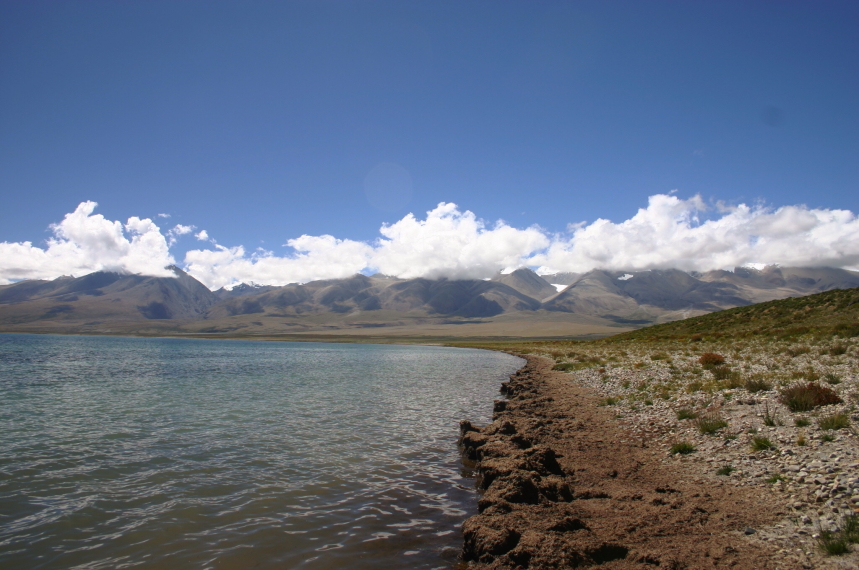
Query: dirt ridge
point(560, 489)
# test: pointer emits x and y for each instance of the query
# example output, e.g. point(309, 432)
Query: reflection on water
point(179, 453)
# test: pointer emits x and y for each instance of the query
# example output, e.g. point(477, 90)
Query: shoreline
point(584, 416)
point(476, 342)
point(563, 486)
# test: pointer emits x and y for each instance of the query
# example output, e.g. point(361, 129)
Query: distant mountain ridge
point(468, 298)
point(631, 299)
point(528, 283)
point(106, 295)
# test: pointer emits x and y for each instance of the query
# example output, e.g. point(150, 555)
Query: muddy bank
point(562, 487)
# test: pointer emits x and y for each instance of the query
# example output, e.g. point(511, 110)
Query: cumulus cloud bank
point(85, 242)
point(668, 234)
point(452, 244)
point(316, 257)
point(448, 242)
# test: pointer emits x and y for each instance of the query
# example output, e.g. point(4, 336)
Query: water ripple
point(173, 453)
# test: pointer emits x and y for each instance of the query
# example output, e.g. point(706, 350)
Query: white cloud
point(451, 243)
point(316, 257)
point(667, 234)
point(176, 231)
point(83, 243)
point(448, 243)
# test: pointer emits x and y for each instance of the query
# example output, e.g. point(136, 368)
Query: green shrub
point(811, 375)
point(757, 384)
point(833, 543)
point(801, 422)
point(837, 349)
point(761, 443)
point(686, 414)
point(832, 378)
point(770, 418)
point(827, 437)
point(835, 421)
point(568, 366)
point(724, 470)
point(607, 402)
point(806, 397)
point(682, 447)
point(729, 378)
point(845, 330)
point(850, 528)
point(710, 424)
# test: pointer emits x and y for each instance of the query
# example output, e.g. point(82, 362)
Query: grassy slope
point(824, 313)
point(827, 314)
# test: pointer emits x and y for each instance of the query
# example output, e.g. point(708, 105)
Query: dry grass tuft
point(806, 397)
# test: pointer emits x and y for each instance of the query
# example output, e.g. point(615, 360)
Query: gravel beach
point(647, 454)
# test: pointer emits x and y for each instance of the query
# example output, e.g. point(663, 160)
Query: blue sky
point(260, 122)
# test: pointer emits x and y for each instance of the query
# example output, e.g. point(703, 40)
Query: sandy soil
point(562, 487)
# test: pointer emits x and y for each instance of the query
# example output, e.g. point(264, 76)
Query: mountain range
point(520, 303)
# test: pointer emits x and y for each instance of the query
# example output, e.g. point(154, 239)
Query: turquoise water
point(181, 453)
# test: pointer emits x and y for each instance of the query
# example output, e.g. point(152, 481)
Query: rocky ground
point(640, 455)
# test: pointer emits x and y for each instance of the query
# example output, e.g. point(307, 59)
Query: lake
point(184, 453)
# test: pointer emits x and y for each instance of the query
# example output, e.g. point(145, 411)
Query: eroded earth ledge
point(560, 489)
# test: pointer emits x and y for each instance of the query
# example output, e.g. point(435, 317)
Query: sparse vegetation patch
point(682, 448)
point(757, 384)
point(686, 414)
point(832, 378)
point(795, 351)
point(760, 443)
point(838, 349)
point(834, 421)
point(711, 360)
point(783, 390)
point(710, 424)
point(729, 378)
point(770, 417)
point(837, 543)
point(806, 397)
